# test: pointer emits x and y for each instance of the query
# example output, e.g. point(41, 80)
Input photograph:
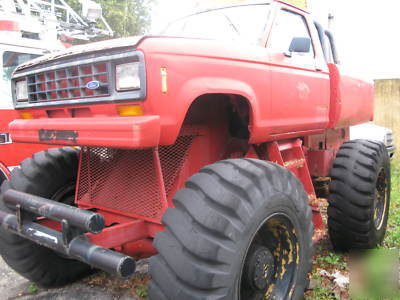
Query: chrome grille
point(69, 83)
point(65, 82)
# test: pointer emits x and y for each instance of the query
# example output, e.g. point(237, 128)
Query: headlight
point(127, 76)
point(21, 90)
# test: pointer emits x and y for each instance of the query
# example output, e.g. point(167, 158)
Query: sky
point(367, 32)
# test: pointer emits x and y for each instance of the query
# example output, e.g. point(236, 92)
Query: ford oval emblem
point(93, 84)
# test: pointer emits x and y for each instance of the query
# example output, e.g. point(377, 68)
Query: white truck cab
point(370, 131)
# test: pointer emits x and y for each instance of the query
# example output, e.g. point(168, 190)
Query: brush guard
point(71, 241)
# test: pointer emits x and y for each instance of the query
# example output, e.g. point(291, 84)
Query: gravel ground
point(14, 286)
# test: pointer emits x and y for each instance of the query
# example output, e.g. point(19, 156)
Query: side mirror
point(299, 45)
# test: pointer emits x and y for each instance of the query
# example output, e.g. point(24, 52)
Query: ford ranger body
point(199, 147)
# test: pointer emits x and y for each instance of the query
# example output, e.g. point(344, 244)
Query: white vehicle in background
point(29, 29)
point(370, 131)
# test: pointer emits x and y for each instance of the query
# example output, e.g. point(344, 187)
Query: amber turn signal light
point(26, 115)
point(130, 110)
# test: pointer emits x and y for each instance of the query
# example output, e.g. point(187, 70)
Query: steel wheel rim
point(278, 235)
point(380, 199)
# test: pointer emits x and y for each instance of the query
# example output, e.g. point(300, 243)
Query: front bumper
point(118, 132)
point(72, 240)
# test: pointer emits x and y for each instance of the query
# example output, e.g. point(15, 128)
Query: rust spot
point(296, 163)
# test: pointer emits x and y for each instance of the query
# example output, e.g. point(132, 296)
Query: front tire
point(359, 195)
point(240, 229)
point(50, 174)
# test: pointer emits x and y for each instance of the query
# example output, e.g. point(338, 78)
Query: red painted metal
point(119, 132)
point(9, 25)
point(12, 154)
point(118, 235)
point(290, 155)
point(320, 162)
point(123, 180)
point(120, 196)
point(351, 99)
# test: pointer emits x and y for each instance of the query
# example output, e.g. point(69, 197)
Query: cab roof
point(251, 2)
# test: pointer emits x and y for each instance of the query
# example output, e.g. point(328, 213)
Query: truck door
point(300, 83)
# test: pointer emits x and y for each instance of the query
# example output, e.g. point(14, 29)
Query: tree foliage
point(125, 17)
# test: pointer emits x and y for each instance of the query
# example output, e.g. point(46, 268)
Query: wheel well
point(231, 108)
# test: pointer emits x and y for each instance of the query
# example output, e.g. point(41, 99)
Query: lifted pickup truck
point(199, 148)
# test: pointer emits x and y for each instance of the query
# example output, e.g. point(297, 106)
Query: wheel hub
point(260, 268)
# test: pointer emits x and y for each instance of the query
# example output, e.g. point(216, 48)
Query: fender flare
point(196, 87)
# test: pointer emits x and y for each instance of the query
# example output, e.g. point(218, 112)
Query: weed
point(333, 260)
point(141, 291)
point(32, 288)
point(322, 289)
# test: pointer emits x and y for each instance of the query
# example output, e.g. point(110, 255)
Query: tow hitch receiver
point(71, 241)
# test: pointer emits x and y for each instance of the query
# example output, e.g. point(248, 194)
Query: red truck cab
point(288, 95)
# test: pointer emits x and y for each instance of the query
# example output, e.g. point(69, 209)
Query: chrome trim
point(7, 138)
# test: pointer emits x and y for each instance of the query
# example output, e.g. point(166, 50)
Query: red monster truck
point(198, 147)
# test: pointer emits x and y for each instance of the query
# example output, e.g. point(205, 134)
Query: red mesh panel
point(126, 180)
point(123, 180)
point(172, 159)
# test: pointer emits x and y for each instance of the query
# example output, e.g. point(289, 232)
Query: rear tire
point(50, 174)
point(240, 229)
point(359, 195)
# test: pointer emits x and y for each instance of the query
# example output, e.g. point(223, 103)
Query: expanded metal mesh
point(126, 180)
point(172, 159)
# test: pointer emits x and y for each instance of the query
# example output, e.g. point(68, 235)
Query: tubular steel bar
point(78, 248)
point(79, 218)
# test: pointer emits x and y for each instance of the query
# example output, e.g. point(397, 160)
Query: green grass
point(141, 291)
point(392, 239)
point(32, 288)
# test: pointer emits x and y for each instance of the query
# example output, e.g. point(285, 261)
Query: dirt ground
point(14, 286)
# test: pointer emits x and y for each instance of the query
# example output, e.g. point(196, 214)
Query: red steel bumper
point(119, 132)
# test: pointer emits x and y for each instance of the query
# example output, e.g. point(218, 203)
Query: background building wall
point(387, 106)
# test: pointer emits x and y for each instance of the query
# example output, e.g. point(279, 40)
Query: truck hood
point(81, 49)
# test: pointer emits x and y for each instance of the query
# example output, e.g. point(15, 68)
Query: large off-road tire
point(50, 174)
point(359, 195)
point(240, 229)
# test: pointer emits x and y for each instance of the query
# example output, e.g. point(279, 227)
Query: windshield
point(10, 61)
point(240, 23)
